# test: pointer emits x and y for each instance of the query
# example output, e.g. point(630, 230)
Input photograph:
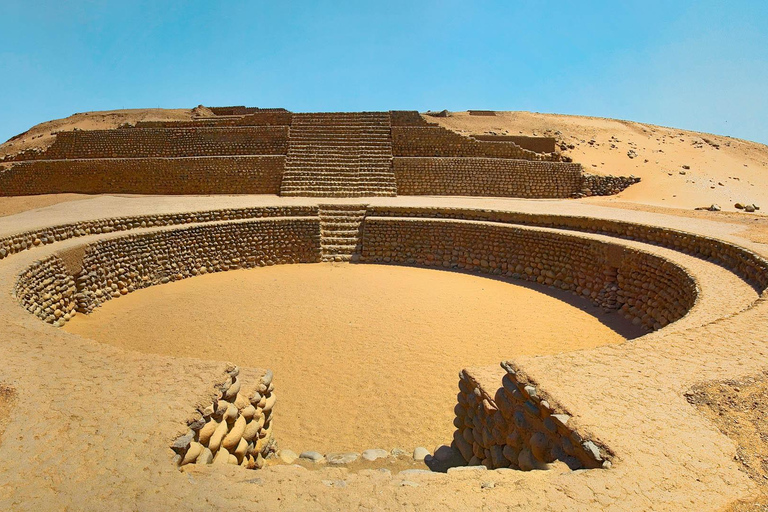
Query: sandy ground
point(737, 407)
point(7, 397)
point(336, 335)
point(17, 204)
point(721, 170)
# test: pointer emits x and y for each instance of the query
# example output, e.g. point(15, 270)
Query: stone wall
point(197, 175)
point(114, 267)
point(644, 288)
point(431, 141)
point(267, 118)
point(492, 177)
point(234, 427)
point(595, 185)
point(515, 424)
point(165, 142)
point(407, 118)
point(535, 144)
point(27, 240)
point(743, 262)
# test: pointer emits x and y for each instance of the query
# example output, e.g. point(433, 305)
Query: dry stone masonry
point(114, 267)
point(502, 421)
point(340, 229)
point(233, 428)
point(518, 426)
point(340, 155)
point(644, 288)
point(272, 151)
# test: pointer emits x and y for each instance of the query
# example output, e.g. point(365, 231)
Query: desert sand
point(679, 168)
point(340, 334)
point(89, 410)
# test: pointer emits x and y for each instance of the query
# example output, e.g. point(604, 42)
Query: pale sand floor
point(365, 356)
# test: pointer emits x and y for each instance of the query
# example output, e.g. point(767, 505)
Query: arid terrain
point(367, 356)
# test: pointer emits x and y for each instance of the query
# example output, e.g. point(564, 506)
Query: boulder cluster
point(235, 428)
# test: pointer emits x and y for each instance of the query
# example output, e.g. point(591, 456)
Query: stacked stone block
point(235, 428)
point(165, 143)
point(645, 288)
point(195, 175)
point(518, 426)
point(488, 177)
point(435, 141)
point(115, 267)
point(339, 155)
point(30, 239)
point(47, 290)
point(743, 262)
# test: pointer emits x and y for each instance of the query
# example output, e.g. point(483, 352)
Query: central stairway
point(339, 155)
point(340, 231)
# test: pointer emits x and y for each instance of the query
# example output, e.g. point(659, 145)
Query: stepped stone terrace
point(605, 428)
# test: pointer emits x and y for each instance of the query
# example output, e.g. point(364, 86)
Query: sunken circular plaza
point(680, 301)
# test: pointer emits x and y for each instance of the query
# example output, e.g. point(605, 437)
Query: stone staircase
point(340, 231)
point(339, 155)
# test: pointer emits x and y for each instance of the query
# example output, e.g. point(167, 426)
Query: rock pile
point(236, 428)
point(519, 427)
point(594, 185)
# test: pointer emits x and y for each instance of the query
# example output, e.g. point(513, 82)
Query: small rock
point(408, 483)
point(487, 485)
point(749, 208)
point(420, 453)
point(372, 455)
point(313, 456)
point(467, 469)
point(714, 208)
point(739, 206)
point(338, 459)
point(287, 456)
point(444, 453)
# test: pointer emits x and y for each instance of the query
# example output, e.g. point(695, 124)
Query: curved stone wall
point(743, 262)
point(82, 279)
point(514, 425)
point(23, 241)
point(194, 175)
point(647, 289)
point(165, 142)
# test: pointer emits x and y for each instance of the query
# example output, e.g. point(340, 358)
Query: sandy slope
point(722, 170)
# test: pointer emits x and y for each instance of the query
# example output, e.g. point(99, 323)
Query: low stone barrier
point(742, 262)
point(27, 240)
point(164, 142)
point(515, 424)
point(644, 288)
point(195, 175)
point(235, 427)
point(489, 177)
point(435, 141)
point(81, 279)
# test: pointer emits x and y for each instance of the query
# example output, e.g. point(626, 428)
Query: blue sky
point(700, 65)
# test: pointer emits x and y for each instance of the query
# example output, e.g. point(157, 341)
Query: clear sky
point(700, 65)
